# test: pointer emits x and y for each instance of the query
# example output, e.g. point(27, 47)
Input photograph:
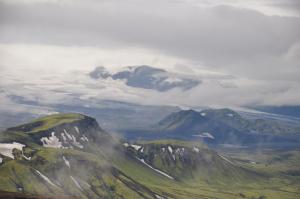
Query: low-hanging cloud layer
point(244, 52)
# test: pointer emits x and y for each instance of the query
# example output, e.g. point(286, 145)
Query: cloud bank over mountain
point(244, 53)
point(148, 77)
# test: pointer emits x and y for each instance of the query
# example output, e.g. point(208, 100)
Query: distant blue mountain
point(227, 126)
point(148, 77)
point(222, 126)
point(293, 111)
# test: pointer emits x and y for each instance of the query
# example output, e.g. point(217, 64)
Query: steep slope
point(259, 125)
point(190, 161)
point(224, 126)
point(70, 156)
point(59, 131)
point(63, 154)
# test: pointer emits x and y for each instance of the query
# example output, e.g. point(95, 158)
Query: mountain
point(71, 156)
point(63, 155)
point(222, 126)
point(258, 125)
point(148, 77)
point(111, 114)
point(116, 116)
point(190, 161)
point(293, 111)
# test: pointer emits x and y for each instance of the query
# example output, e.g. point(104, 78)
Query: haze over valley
point(183, 99)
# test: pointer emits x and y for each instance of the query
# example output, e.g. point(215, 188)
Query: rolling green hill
point(70, 156)
point(191, 161)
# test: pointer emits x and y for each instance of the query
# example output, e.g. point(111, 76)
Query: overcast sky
point(50, 45)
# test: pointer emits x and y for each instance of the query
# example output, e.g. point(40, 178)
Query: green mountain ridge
point(70, 156)
point(46, 167)
point(191, 161)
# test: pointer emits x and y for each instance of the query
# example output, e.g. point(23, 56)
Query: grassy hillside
point(48, 122)
point(89, 164)
point(247, 180)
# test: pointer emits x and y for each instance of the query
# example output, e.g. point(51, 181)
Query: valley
point(159, 99)
point(71, 156)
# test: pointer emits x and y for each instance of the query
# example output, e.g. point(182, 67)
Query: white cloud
point(267, 7)
point(243, 53)
point(58, 59)
point(61, 2)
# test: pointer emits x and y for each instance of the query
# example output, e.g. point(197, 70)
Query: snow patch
point(1, 160)
point(129, 69)
point(87, 184)
point(46, 179)
point(75, 143)
point(76, 129)
point(6, 149)
point(52, 141)
point(158, 171)
point(64, 137)
point(226, 159)
point(172, 80)
point(196, 149)
point(26, 158)
point(126, 144)
point(159, 197)
point(179, 151)
point(203, 114)
point(142, 150)
point(136, 147)
point(85, 138)
point(174, 157)
point(205, 135)
point(76, 183)
point(170, 149)
point(230, 114)
point(66, 162)
point(68, 135)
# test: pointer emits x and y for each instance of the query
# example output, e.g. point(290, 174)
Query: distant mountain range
point(293, 111)
point(236, 121)
point(148, 77)
point(214, 126)
point(221, 126)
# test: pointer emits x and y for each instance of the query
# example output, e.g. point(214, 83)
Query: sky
point(246, 53)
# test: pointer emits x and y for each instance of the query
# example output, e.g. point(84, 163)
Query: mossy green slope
point(104, 168)
point(83, 171)
point(192, 161)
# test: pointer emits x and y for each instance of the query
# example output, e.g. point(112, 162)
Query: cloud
point(267, 7)
point(245, 53)
point(223, 37)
